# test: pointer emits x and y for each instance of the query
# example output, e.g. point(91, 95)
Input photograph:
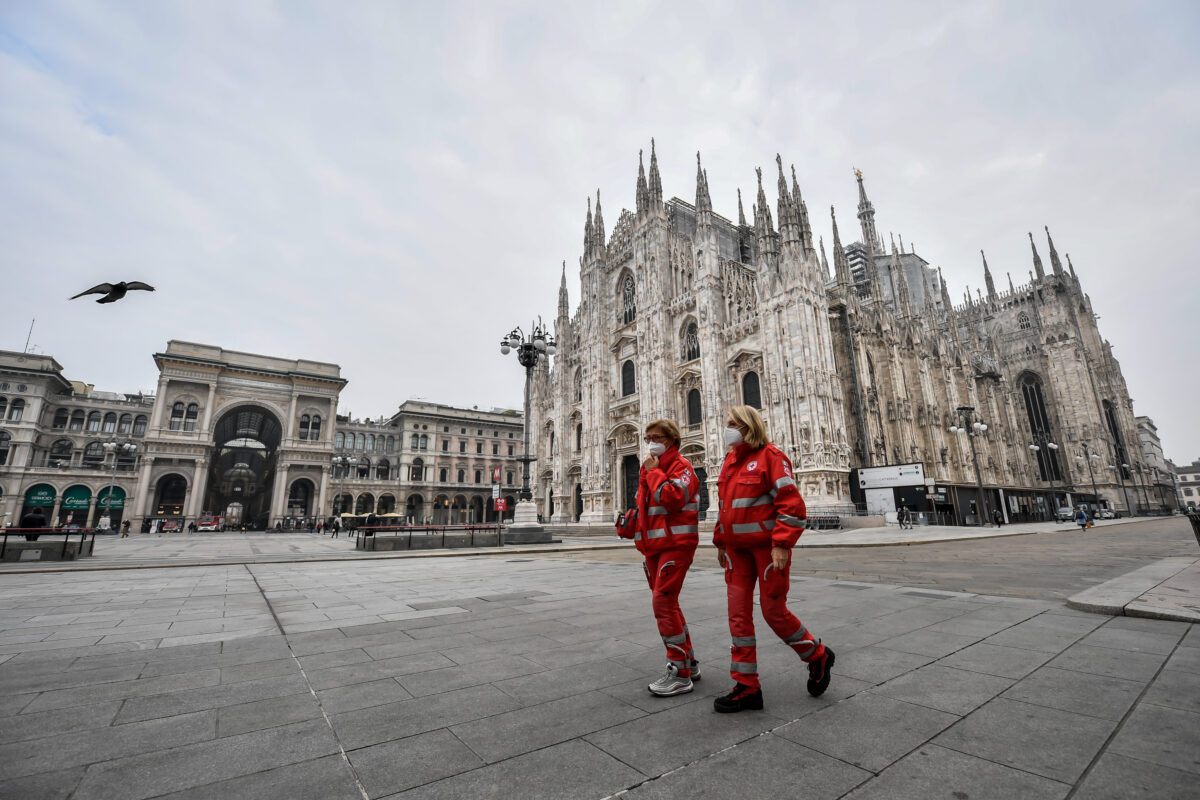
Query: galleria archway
point(242, 476)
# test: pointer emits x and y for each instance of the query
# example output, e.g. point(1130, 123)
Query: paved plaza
point(523, 675)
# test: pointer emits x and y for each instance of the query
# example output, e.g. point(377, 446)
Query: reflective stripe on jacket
point(759, 504)
point(668, 505)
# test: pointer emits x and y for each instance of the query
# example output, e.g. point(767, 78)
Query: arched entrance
point(169, 494)
point(458, 510)
point(114, 509)
point(386, 504)
point(476, 509)
point(73, 510)
point(441, 510)
point(365, 504)
point(414, 509)
point(245, 451)
point(300, 499)
point(629, 480)
point(578, 501)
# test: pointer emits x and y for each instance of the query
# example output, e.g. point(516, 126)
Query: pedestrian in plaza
point(33, 520)
point(1081, 518)
point(761, 516)
point(125, 529)
point(665, 528)
point(335, 525)
point(902, 517)
point(998, 517)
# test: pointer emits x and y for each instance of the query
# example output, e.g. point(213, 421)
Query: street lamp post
point(1041, 439)
point(973, 427)
point(115, 448)
point(1089, 456)
point(531, 349)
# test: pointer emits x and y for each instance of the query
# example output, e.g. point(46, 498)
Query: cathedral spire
point(1055, 264)
point(1071, 267)
point(900, 282)
point(789, 229)
point(643, 194)
point(987, 278)
point(764, 228)
point(841, 267)
point(802, 211)
point(1011, 290)
point(703, 201)
point(587, 230)
point(947, 306)
point(564, 308)
point(655, 189)
point(598, 231)
point(1037, 260)
point(866, 216)
point(824, 260)
point(741, 211)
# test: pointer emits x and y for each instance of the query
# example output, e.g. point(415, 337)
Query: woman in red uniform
point(665, 529)
point(760, 518)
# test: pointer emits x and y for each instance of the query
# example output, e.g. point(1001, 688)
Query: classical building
point(685, 312)
point(1189, 485)
point(1155, 473)
point(254, 438)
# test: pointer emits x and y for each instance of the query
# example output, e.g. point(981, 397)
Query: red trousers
point(743, 568)
point(665, 571)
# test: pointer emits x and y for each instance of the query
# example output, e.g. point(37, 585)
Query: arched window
point(93, 425)
point(1039, 424)
point(379, 440)
point(93, 455)
point(60, 453)
point(361, 441)
point(462, 476)
point(339, 440)
point(60, 419)
point(508, 478)
point(579, 385)
point(628, 385)
point(751, 395)
point(76, 420)
point(415, 443)
point(3, 406)
point(305, 421)
point(382, 468)
point(391, 444)
point(551, 442)
point(443, 474)
point(176, 422)
point(139, 424)
point(126, 424)
point(424, 442)
point(1023, 321)
point(5, 443)
point(370, 441)
point(314, 428)
point(110, 423)
point(16, 409)
point(691, 342)
point(628, 300)
point(579, 437)
point(189, 417)
point(363, 467)
point(478, 476)
point(418, 469)
point(693, 407)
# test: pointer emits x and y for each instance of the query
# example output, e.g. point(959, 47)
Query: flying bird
point(115, 291)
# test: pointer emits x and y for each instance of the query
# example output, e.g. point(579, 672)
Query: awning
point(77, 498)
point(42, 494)
point(118, 498)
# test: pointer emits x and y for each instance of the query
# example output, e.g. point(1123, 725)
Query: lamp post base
point(525, 528)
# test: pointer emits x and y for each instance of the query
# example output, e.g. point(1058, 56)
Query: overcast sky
point(393, 186)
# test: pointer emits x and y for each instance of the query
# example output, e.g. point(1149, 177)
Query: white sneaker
point(670, 683)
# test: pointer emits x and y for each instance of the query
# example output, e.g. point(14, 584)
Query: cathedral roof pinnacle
point(703, 201)
point(655, 178)
point(598, 231)
point(741, 211)
point(1037, 259)
point(1055, 264)
point(643, 194)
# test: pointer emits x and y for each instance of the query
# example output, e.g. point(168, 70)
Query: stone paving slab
point(1167, 589)
point(532, 684)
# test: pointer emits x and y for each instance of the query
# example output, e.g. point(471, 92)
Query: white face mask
point(656, 449)
point(732, 436)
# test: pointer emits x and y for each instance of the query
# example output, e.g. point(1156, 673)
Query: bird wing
point(139, 285)
point(100, 288)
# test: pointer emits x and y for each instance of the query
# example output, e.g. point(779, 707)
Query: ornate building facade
point(685, 313)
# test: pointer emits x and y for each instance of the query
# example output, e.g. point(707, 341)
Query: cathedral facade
point(865, 363)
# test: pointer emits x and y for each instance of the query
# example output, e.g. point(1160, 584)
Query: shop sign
point(118, 499)
point(77, 498)
point(40, 495)
point(892, 475)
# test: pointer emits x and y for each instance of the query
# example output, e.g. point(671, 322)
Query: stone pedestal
point(525, 528)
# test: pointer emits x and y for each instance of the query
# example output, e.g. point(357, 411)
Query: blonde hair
point(666, 428)
point(756, 429)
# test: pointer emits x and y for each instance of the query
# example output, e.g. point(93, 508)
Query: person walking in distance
point(761, 516)
point(664, 527)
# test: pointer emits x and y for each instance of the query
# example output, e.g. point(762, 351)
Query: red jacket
point(667, 507)
point(759, 504)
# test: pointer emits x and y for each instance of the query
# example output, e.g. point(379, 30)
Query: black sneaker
point(819, 673)
point(742, 698)
point(695, 669)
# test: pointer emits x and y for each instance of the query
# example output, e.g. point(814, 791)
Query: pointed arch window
point(1023, 321)
point(691, 342)
point(628, 300)
point(1110, 416)
point(751, 394)
point(176, 421)
point(189, 417)
point(579, 437)
point(694, 416)
point(578, 385)
point(628, 382)
point(1039, 425)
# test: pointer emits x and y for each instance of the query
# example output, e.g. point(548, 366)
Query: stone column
point(208, 407)
point(142, 498)
point(200, 482)
point(54, 514)
point(319, 508)
point(290, 428)
point(279, 500)
point(327, 428)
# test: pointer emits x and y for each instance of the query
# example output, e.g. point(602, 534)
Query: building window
point(16, 410)
point(691, 343)
point(110, 423)
point(305, 421)
point(93, 455)
point(443, 474)
point(139, 425)
point(510, 449)
point(60, 453)
point(361, 441)
point(60, 418)
point(551, 442)
point(339, 440)
point(189, 417)
point(1187, 490)
point(478, 476)
point(415, 442)
point(495, 449)
point(628, 386)
point(418, 469)
point(370, 441)
point(462, 476)
point(445, 445)
point(5, 443)
point(364, 467)
point(462, 447)
point(479, 447)
point(382, 468)
point(579, 385)
point(508, 478)
point(1023, 321)
point(94, 421)
point(693, 407)
point(579, 437)
point(76, 420)
point(126, 424)
point(424, 441)
point(3, 406)
point(628, 301)
point(391, 444)
point(314, 429)
point(751, 395)
point(1039, 424)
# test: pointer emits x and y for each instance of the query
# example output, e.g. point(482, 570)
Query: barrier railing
point(364, 535)
point(82, 533)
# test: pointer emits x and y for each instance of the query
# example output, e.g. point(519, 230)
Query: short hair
point(667, 428)
point(756, 429)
